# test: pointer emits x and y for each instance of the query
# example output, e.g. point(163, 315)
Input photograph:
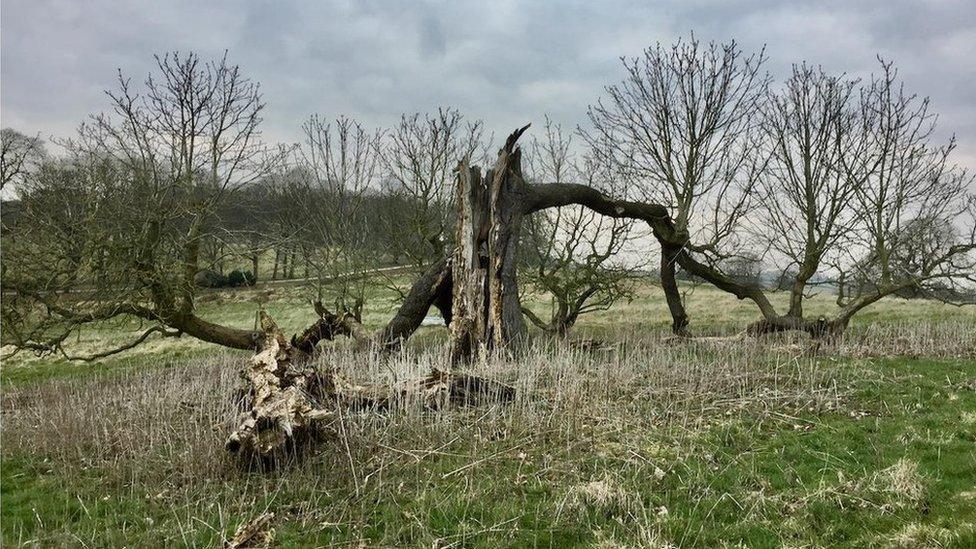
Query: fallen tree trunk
point(820, 328)
point(287, 399)
point(433, 288)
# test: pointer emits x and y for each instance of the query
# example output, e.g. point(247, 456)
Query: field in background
point(629, 440)
point(712, 312)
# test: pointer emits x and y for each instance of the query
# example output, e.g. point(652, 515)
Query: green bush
point(210, 279)
point(240, 277)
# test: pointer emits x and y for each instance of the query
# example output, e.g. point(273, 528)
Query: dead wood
point(288, 399)
point(281, 407)
point(486, 311)
point(254, 533)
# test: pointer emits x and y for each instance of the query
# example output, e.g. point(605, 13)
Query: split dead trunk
point(486, 312)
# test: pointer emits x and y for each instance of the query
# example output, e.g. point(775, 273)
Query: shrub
point(240, 277)
point(210, 279)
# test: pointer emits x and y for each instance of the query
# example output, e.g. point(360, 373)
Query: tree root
point(280, 403)
point(288, 399)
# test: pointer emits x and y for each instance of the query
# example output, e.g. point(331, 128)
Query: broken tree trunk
point(486, 312)
point(469, 308)
point(287, 399)
point(281, 407)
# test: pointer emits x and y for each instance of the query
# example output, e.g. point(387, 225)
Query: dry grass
point(641, 403)
point(173, 421)
point(164, 428)
point(947, 339)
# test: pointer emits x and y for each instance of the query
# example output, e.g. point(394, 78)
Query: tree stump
point(486, 312)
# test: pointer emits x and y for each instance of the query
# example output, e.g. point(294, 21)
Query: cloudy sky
point(507, 62)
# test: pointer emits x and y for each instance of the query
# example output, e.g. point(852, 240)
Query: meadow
point(619, 436)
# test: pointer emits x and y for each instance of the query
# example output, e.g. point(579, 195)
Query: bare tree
point(420, 156)
point(340, 167)
point(806, 196)
point(904, 211)
point(744, 269)
point(154, 170)
point(827, 173)
point(682, 129)
point(571, 252)
point(20, 155)
point(916, 212)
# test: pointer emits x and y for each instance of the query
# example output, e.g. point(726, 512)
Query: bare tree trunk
point(563, 320)
point(255, 255)
point(486, 310)
point(292, 259)
point(807, 270)
point(469, 269)
point(796, 298)
point(434, 287)
point(506, 325)
point(679, 318)
point(551, 195)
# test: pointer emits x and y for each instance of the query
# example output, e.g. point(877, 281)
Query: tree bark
point(506, 325)
point(679, 318)
point(430, 289)
point(226, 336)
point(486, 312)
point(286, 399)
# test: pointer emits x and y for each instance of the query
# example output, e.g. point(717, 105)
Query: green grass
point(822, 480)
point(645, 445)
point(753, 479)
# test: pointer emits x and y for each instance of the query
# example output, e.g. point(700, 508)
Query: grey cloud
point(508, 62)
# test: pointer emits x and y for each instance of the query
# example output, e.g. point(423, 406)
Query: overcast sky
point(507, 62)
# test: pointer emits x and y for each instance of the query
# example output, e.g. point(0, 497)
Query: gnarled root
point(288, 398)
point(281, 405)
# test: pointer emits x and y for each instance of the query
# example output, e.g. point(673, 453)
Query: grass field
point(635, 440)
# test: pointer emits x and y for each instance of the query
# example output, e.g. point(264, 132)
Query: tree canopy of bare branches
point(681, 129)
point(836, 180)
point(20, 155)
point(573, 253)
point(420, 155)
point(146, 179)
